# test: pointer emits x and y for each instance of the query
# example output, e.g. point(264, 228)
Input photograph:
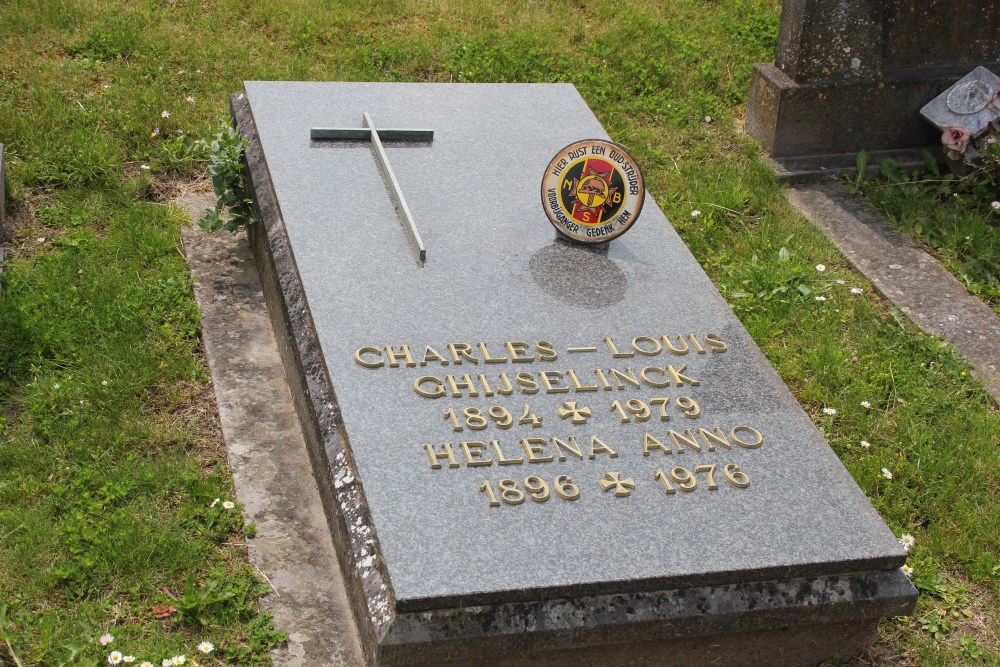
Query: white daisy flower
point(228, 504)
point(206, 647)
point(856, 290)
point(107, 637)
point(866, 405)
point(830, 411)
point(115, 657)
point(821, 298)
point(907, 541)
point(886, 473)
point(821, 267)
point(696, 213)
point(907, 570)
point(164, 114)
point(865, 444)
point(996, 205)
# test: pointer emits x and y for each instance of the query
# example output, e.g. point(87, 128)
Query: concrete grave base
point(775, 618)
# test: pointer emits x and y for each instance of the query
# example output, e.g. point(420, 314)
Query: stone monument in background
point(852, 75)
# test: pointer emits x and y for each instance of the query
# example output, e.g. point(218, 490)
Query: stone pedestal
point(852, 75)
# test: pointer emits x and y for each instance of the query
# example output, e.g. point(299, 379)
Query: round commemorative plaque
point(593, 191)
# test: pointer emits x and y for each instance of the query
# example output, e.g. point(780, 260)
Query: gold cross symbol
point(623, 487)
point(579, 415)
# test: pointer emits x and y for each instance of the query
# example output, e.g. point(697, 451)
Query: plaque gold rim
point(552, 199)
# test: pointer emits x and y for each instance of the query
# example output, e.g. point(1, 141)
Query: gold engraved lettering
point(681, 440)
point(708, 437)
point(735, 476)
point(565, 488)
point(457, 387)
point(507, 388)
point(430, 354)
point(436, 390)
point(474, 454)
point(484, 383)
point(627, 375)
point(509, 492)
point(490, 359)
point(551, 379)
point(684, 479)
point(710, 469)
point(697, 346)
point(436, 457)
point(646, 345)
point(533, 446)
point(572, 447)
point(603, 380)
point(614, 350)
point(676, 350)
point(654, 369)
point(501, 459)
point(758, 437)
point(688, 406)
point(487, 488)
point(677, 375)
point(460, 351)
point(369, 350)
point(402, 355)
point(576, 383)
point(537, 488)
point(517, 349)
point(529, 417)
point(649, 443)
point(546, 351)
point(527, 383)
point(598, 447)
point(714, 342)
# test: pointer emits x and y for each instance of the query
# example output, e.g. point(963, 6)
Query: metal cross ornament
point(376, 136)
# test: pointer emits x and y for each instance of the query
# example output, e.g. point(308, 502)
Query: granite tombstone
point(530, 448)
point(852, 75)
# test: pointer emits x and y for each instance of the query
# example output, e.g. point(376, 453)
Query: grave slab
point(525, 445)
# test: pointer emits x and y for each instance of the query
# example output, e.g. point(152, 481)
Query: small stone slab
point(965, 104)
point(514, 439)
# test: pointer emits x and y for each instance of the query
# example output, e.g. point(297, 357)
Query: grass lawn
point(957, 219)
point(110, 453)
